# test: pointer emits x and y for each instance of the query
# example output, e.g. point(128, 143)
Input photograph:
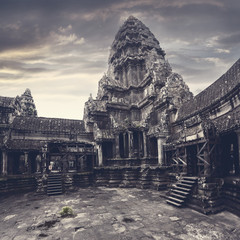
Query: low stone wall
point(83, 179)
point(231, 195)
point(14, 184)
point(207, 196)
point(69, 181)
point(140, 177)
point(126, 162)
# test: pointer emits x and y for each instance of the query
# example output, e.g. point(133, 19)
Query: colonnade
point(133, 145)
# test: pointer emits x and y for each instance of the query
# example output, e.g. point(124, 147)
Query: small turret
point(28, 107)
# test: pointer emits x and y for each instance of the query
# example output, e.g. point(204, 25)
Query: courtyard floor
point(109, 214)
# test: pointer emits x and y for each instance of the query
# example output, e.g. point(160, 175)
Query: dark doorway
point(153, 150)
point(126, 145)
point(121, 145)
point(14, 166)
point(192, 167)
point(1, 162)
point(138, 144)
point(107, 150)
point(229, 156)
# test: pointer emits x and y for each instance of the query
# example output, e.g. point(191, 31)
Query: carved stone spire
point(138, 79)
point(134, 53)
point(25, 105)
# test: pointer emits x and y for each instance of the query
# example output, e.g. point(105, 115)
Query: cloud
point(230, 40)
point(60, 48)
point(61, 39)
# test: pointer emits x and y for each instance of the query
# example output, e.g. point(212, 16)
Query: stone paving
point(109, 213)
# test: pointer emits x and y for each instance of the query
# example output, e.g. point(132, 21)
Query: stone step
point(180, 192)
point(190, 178)
point(54, 193)
point(54, 184)
point(188, 181)
point(51, 187)
point(174, 203)
point(175, 199)
point(184, 185)
point(54, 190)
point(54, 177)
point(182, 189)
point(54, 187)
point(178, 195)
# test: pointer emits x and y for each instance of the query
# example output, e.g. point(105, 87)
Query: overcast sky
point(59, 49)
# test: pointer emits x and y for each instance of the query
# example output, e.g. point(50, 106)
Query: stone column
point(140, 144)
point(38, 162)
point(27, 163)
point(238, 138)
point(100, 155)
point(145, 145)
point(160, 142)
point(130, 144)
point(4, 162)
point(117, 153)
point(138, 73)
point(125, 76)
point(44, 158)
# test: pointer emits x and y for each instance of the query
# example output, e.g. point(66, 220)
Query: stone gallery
point(145, 129)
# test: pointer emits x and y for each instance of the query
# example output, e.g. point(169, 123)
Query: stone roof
point(6, 101)
point(228, 121)
point(25, 144)
point(212, 94)
point(48, 125)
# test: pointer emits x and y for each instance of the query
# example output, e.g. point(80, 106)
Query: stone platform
point(109, 213)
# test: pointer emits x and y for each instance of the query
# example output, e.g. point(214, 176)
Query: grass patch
point(66, 212)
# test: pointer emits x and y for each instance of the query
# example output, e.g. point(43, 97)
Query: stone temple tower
point(137, 99)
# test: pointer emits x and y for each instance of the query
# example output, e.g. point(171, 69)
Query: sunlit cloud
point(60, 51)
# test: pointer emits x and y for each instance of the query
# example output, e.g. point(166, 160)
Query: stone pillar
point(117, 149)
point(207, 171)
point(138, 73)
point(140, 144)
point(100, 155)
point(4, 162)
point(145, 154)
point(125, 76)
point(44, 158)
point(238, 138)
point(160, 142)
point(130, 144)
point(120, 75)
point(129, 77)
point(27, 163)
point(38, 162)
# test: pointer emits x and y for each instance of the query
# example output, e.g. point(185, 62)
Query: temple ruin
point(144, 129)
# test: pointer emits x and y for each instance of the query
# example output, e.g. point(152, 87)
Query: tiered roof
point(54, 127)
point(5, 101)
point(48, 125)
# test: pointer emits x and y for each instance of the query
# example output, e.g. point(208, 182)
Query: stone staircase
point(181, 191)
point(54, 184)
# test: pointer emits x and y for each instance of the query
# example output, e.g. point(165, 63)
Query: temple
point(144, 129)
